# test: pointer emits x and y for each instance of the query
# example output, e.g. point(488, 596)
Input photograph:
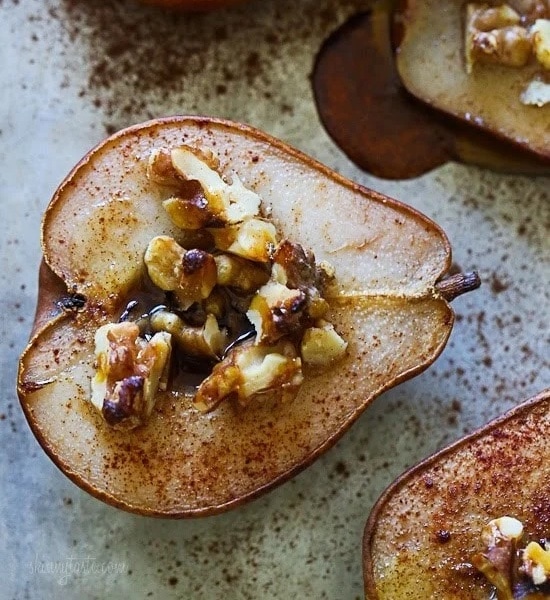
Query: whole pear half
point(430, 62)
point(425, 528)
point(390, 305)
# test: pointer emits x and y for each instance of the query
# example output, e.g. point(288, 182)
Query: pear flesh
point(387, 259)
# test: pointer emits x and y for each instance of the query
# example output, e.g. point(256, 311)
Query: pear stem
point(458, 284)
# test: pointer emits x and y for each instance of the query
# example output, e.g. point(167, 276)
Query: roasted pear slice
point(389, 301)
point(432, 64)
point(427, 529)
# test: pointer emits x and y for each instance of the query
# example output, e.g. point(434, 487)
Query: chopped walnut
point(537, 93)
point(531, 10)
point(253, 239)
point(190, 209)
point(249, 370)
point(276, 310)
point(190, 274)
point(482, 17)
point(231, 202)
point(541, 41)
point(499, 563)
point(493, 35)
point(129, 372)
point(536, 563)
point(237, 298)
point(503, 529)
point(295, 267)
point(510, 35)
point(239, 273)
point(161, 170)
point(207, 340)
point(322, 345)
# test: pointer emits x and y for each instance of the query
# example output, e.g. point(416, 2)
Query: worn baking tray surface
point(71, 72)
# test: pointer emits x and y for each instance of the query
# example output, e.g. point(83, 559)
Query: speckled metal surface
point(73, 71)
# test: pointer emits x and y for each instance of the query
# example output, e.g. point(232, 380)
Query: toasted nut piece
point(240, 273)
point(250, 370)
point(493, 35)
point(500, 536)
point(317, 307)
point(503, 528)
point(129, 372)
point(531, 10)
point(254, 239)
point(483, 17)
point(206, 341)
point(269, 368)
point(231, 202)
point(207, 155)
point(296, 268)
point(541, 41)
point(322, 345)
point(125, 408)
point(160, 169)
point(509, 46)
point(199, 277)
point(536, 563)
point(216, 304)
point(296, 263)
point(496, 570)
point(163, 259)
point(190, 274)
point(222, 383)
point(275, 311)
point(190, 209)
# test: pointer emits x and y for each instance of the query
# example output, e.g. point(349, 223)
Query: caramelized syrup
point(187, 372)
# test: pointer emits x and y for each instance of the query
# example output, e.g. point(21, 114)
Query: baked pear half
point(381, 127)
point(306, 297)
point(485, 63)
point(472, 521)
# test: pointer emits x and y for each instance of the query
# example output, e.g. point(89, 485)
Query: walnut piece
point(231, 202)
point(493, 35)
point(511, 35)
point(322, 345)
point(537, 93)
point(501, 537)
point(541, 41)
point(536, 563)
point(253, 239)
point(129, 372)
point(531, 10)
point(249, 370)
point(190, 274)
point(507, 35)
point(276, 310)
point(207, 341)
point(236, 297)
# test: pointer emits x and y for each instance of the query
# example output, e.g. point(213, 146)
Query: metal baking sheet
point(73, 71)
